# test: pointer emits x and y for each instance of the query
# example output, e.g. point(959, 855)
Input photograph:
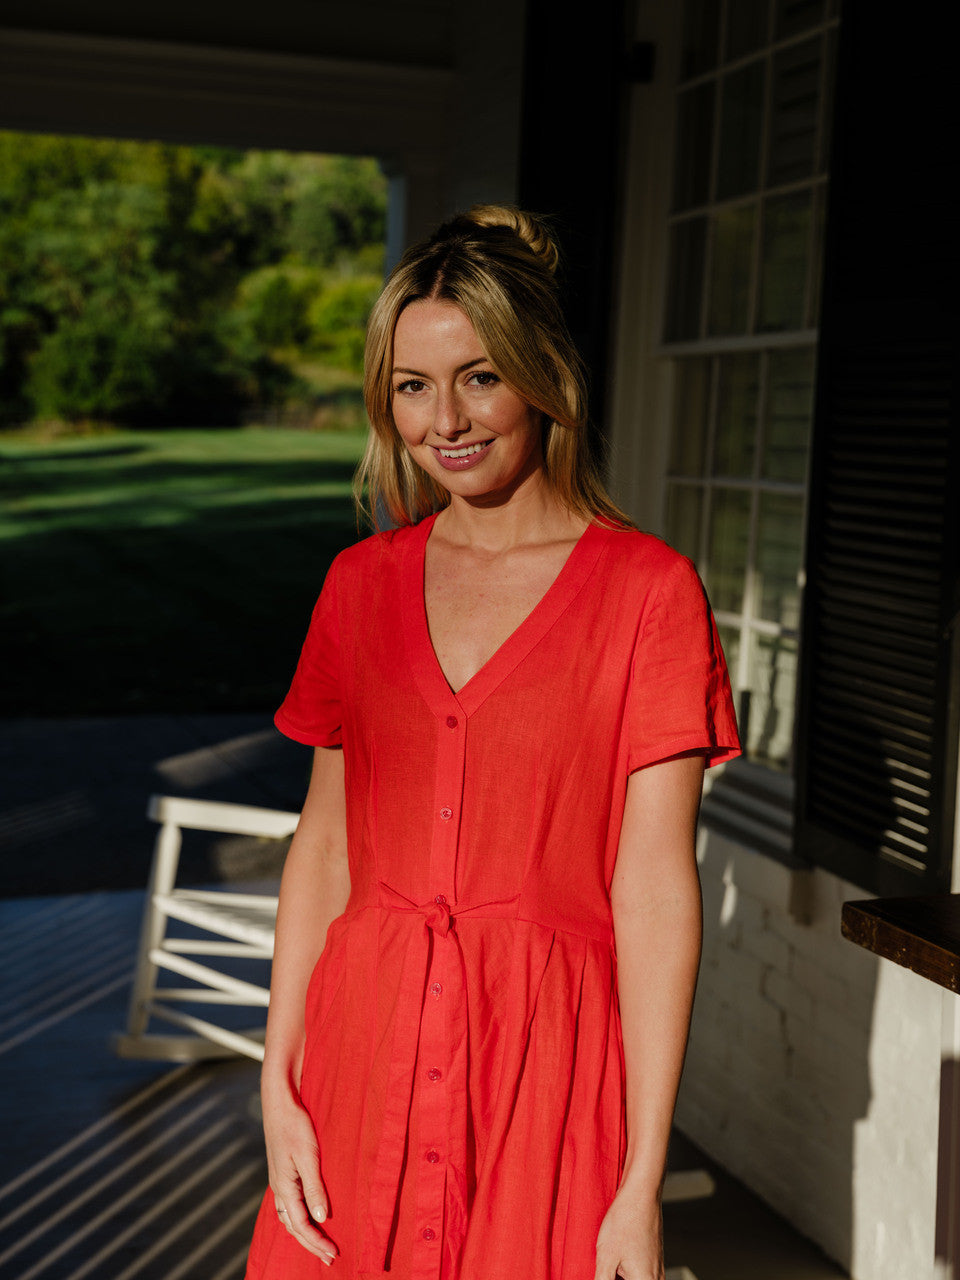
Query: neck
point(531, 514)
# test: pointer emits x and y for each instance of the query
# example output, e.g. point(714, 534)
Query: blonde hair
point(498, 265)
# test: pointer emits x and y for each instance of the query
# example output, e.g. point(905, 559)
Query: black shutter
point(879, 687)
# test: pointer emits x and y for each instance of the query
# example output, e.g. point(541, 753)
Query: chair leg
point(163, 874)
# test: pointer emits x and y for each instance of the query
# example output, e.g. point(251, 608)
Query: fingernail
point(320, 1213)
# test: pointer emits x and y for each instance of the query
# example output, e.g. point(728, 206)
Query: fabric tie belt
point(438, 924)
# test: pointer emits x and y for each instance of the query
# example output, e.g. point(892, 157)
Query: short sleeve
point(312, 712)
point(679, 696)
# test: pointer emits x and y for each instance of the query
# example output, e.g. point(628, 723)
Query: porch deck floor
point(122, 1170)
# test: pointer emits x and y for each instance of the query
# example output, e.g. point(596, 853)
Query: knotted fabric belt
point(438, 921)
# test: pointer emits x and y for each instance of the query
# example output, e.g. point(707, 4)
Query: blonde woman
point(489, 924)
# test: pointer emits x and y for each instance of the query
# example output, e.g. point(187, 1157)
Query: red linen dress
point(463, 1063)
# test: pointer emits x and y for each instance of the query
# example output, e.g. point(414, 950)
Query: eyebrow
point(415, 373)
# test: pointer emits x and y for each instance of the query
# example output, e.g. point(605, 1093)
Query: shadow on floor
point(111, 1169)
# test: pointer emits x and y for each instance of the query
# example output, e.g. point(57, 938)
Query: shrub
point(338, 320)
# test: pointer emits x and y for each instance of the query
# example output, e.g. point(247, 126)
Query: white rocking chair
point(243, 925)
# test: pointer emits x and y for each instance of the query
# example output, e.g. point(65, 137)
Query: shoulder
point(372, 554)
point(645, 579)
point(645, 557)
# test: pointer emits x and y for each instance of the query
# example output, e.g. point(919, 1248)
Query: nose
point(449, 420)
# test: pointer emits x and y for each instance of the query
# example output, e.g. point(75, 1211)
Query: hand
point(630, 1240)
point(293, 1160)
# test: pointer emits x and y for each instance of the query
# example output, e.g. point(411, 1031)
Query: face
point(467, 429)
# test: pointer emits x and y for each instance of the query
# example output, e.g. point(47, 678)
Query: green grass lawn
point(172, 570)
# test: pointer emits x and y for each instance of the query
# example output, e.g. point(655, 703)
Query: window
point(753, 107)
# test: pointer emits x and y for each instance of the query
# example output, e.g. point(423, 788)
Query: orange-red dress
point(463, 1063)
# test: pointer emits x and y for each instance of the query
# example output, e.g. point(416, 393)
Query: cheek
point(405, 421)
point(527, 428)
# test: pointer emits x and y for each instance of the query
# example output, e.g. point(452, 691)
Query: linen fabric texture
point(463, 1064)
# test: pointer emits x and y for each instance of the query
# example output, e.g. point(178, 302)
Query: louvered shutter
point(878, 723)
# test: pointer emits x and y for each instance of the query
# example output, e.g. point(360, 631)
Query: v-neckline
point(545, 613)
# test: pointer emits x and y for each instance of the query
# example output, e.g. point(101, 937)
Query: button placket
point(434, 1107)
point(448, 792)
point(436, 1103)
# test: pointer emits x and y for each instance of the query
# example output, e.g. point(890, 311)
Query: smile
point(462, 458)
point(465, 452)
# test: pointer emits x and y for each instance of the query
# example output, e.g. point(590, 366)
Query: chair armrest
point(216, 815)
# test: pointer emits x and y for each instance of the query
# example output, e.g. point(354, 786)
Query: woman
point(512, 696)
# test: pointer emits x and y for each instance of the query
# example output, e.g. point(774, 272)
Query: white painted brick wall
point(813, 1069)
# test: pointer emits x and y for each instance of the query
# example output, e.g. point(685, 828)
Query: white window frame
point(752, 803)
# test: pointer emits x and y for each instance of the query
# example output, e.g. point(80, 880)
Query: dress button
point(434, 1073)
point(433, 1157)
point(446, 814)
point(436, 989)
point(428, 1233)
point(440, 900)
point(452, 722)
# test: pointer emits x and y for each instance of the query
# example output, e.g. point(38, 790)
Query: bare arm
point(657, 919)
point(313, 892)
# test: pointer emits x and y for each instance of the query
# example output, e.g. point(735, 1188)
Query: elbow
point(674, 903)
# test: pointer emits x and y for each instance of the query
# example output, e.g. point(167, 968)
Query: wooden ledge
point(922, 934)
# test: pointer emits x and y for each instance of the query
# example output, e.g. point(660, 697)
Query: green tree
point(339, 208)
point(142, 281)
point(338, 320)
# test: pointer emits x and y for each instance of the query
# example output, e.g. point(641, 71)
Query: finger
point(292, 1213)
point(314, 1196)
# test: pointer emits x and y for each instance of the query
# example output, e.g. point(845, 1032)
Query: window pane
point(789, 411)
point(687, 245)
point(735, 442)
point(741, 118)
point(793, 116)
point(794, 16)
point(730, 642)
point(701, 26)
point(779, 549)
point(772, 667)
point(746, 27)
point(783, 271)
point(685, 518)
point(733, 236)
point(691, 407)
point(727, 548)
point(691, 174)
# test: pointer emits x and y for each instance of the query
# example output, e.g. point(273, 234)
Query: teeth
point(464, 453)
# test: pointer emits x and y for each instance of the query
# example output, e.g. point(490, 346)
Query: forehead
point(434, 327)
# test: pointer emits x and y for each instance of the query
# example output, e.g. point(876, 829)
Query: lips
point(461, 457)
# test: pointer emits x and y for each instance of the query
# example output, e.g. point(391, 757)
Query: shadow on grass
point(168, 586)
point(169, 481)
point(48, 456)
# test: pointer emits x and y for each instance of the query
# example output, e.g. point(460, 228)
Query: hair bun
point(531, 230)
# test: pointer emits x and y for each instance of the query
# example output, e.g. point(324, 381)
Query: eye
point(410, 387)
point(484, 378)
